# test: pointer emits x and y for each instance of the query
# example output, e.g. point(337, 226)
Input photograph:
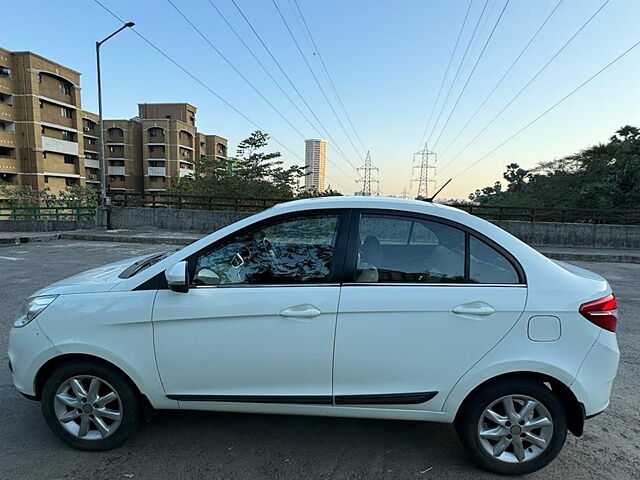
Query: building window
point(91, 156)
point(41, 104)
point(39, 78)
point(46, 179)
point(71, 182)
point(115, 132)
point(68, 136)
point(116, 149)
point(65, 88)
point(44, 154)
point(156, 132)
point(5, 72)
point(91, 141)
point(66, 112)
point(43, 130)
point(70, 159)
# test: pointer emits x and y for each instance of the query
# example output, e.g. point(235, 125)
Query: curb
point(29, 239)
point(128, 239)
point(589, 257)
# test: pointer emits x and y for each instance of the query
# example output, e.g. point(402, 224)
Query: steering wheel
point(271, 252)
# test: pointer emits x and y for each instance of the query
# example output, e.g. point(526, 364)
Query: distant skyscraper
point(315, 159)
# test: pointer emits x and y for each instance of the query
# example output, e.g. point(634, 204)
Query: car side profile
point(345, 306)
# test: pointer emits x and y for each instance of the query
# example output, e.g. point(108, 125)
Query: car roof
point(360, 201)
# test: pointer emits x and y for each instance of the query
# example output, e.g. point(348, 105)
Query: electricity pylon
point(425, 162)
point(367, 178)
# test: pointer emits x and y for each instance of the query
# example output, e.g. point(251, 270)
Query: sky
point(387, 60)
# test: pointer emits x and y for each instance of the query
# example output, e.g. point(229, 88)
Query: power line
point(284, 73)
point(295, 41)
point(275, 81)
point(527, 84)
point(504, 75)
point(200, 82)
point(455, 77)
point(324, 66)
point(471, 74)
point(453, 52)
point(549, 109)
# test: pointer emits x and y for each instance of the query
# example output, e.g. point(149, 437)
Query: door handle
point(475, 308)
point(300, 311)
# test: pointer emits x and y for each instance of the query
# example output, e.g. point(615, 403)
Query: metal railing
point(198, 202)
point(47, 213)
point(558, 215)
point(489, 212)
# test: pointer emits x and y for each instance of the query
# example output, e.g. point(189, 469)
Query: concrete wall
point(574, 234)
point(44, 225)
point(203, 221)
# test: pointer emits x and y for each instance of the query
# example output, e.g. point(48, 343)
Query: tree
point(253, 173)
point(602, 176)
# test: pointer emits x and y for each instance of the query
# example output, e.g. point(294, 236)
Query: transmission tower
point(424, 162)
point(367, 178)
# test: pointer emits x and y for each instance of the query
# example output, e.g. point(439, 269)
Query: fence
point(256, 204)
point(555, 215)
point(197, 202)
point(75, 213)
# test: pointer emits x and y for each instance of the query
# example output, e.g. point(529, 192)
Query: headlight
point(32, 308)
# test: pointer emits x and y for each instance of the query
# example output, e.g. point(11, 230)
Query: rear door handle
point(475, 308)
point(301, 311)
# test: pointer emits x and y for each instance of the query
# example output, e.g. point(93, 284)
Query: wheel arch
point(574, 409)
point(56, 362)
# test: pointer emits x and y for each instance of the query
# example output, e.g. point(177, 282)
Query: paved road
point(233, 446)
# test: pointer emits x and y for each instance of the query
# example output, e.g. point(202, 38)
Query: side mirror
point(178, 277)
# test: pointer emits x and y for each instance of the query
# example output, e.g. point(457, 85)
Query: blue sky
point(387, 59)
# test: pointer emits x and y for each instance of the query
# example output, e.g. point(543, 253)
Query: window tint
point(297, 250)
point(489, 266)
point(402, 249)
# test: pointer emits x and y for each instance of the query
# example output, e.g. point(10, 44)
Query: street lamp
point(101, 160)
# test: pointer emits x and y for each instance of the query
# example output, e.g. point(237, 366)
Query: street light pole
point(101, 158)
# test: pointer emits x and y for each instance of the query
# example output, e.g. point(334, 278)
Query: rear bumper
point(594, 380)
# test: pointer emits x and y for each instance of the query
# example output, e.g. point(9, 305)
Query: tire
point(109, 420)
point(496, 432)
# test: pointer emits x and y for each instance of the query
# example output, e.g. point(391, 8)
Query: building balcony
point(91, 163)
point(117, 170)
point(157, 171)
point(8, 164)
point(156, 139)
point(160, 153)
point(6, 111)
point(6, 84)
point(7, 139)
point(60, 146)
point(186, 172)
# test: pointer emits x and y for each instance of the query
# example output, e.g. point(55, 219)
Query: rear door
point(423, 301)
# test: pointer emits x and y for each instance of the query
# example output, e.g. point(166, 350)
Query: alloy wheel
point(88, 407)
point(515, 428)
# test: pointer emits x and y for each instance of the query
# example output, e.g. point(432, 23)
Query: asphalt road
point(234, 446)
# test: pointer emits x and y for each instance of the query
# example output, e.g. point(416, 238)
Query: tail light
point(603, 312)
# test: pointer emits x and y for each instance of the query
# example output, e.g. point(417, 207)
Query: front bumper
point(594, 380)
point(29, 349)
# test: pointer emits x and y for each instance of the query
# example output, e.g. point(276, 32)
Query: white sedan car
point(345, 306)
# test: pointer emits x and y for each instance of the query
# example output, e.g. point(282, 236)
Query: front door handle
point(474, 308)
point(301, 311)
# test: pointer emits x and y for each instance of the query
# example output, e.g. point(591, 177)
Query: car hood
point(99, 279)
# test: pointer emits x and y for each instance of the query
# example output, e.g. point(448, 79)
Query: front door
point(258, 323)
point(426, 301)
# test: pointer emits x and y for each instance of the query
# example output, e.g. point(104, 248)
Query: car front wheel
point(90, 406)
point(513, 427)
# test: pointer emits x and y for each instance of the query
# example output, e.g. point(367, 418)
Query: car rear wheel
point(513, 427)
point(90, 406)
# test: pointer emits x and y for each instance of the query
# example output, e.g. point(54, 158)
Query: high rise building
point(315, 160)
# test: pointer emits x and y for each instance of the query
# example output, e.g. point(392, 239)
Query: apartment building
point(40, 123)
point(315, 161)
point(47, 140)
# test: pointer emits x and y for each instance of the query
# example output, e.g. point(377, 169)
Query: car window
point(296, 250)
point(488, 265)
point(402, 249)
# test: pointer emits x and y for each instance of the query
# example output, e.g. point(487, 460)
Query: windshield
point(146, 262)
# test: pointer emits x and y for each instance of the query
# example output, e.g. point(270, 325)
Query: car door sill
point(367, 399)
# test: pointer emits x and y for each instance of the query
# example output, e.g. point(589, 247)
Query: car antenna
point(432, 197)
